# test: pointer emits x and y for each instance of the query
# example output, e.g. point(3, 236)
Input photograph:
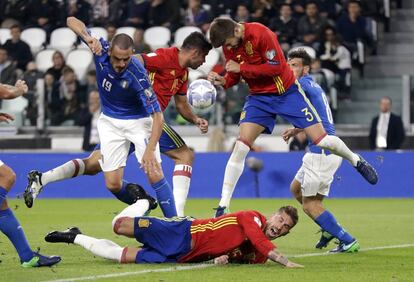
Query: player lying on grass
point(240, 237)
point(313, 180)
point(9, 225)
point(168, 71)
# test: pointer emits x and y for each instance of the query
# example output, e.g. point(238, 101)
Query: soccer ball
point(201, 94)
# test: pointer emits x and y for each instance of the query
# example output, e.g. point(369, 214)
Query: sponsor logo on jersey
point(258, 221)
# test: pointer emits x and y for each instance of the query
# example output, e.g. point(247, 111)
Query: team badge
point(149, 92)
point(124, 84)
point(270, 54)
point(242, 115)
point(143, 223)
point(249, 48)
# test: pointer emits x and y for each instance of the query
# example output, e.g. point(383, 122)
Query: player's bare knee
point(7, 177)
point(92, 167)
point(123, 225)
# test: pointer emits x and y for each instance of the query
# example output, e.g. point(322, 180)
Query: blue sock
point(165, 198)
point(3, 194)
point(123, 194)
point(328, 223)
point(12, 229)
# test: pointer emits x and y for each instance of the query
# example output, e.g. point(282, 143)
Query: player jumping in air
point(167, 69)
point(9, 224)
point(130, 114)
point(253, 53)
point(241, 237)
point(313, 180)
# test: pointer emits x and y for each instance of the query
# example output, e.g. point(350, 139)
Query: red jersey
point(167, 76)
point(214, 237)
point(262, 63)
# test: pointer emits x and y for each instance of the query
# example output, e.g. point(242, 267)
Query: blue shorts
point(164, 239)
point(293, 106)
point(169, 140)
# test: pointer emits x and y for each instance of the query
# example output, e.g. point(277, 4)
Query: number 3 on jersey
point(107, 85)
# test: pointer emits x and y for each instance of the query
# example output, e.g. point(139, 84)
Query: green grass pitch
point(375, 222)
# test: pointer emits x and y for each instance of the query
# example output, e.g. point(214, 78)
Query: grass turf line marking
point(168, 269)
point(361, 250)
point(200, 266)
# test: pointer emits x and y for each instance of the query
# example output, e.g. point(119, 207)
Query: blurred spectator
point(337, 58)
point(70, 97)
point(234, 101)
point(311, 26)
point(263, 11)
point(136, 13)
point(58, 64)
point(44, 14)
point(8, 73)
point(299, 142)
point(328, 8)
point(352, 27)
point(52, 101)
point(318, 75)
point(285, 27)
point(91, 81)
point(140, 46)
point(164, 13)
point(100, 12)
point(12, 12)
point(18, 50)
point(89, 119)
point(242, 13)
point(196, 15)
point(80, 9)
point(111, 31)
point(387, 130)
point(31, 75)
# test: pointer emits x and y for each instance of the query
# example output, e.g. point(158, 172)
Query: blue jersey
point(125, 95)
point(319, 101)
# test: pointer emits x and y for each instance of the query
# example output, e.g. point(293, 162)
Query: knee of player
point(122, 225)
point(92, 167)
point(8, 177)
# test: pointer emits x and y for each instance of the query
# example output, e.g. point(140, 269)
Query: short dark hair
point(123, 41)
point(196, 40)
point(354, 2)
point(290, 211)
point(221, 29)
point(387, 98)
point(67, 69)
point(300, 54)
point(16, 26)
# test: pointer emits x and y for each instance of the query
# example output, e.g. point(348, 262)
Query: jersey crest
point(249, 48)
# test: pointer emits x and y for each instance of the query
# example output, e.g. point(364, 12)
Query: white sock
point(234, 169)
point(100, 247)
point(181, 185)
point(339, 148)
point(139, 208)
point(70, 169)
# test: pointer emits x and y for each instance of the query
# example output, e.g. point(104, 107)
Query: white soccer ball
point(201, 94)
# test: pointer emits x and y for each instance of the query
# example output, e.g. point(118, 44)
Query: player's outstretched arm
point(281, 259)
point(79, 28)
point(181, 103)
point(10, 92)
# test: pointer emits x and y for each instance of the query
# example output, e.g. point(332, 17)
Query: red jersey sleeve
point(184, 86)
point(271, 53)
point(252, 223)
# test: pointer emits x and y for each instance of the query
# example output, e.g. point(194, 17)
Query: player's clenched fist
point(21, 85)
point(5, 117)
point(215, 78)
point(94, 45)
point(232, 66)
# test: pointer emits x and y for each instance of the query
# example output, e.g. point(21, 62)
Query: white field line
point(199, 266)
